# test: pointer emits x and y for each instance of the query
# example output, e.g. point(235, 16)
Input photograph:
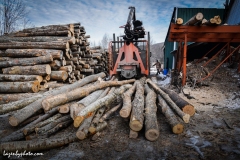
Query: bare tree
point(13, 13)
point(105, 40)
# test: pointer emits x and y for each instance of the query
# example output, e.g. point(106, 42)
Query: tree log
point(101, 102)
point(56, 64)
point(185, 117)
point(28, 70)
point(16, 87)
point(50, 28)
point(59, 75)
point(59, 127)
point(27, 61)
point(11, 97)
point(99, 127)
point(176, 126)
point(54, 101)
point(21, 115)
point(35, 45)
point(37, 145)
point(108, 113)
point(66, 68)
point(127, 102)
point(20, 78)
point(5, 108)
point(133, 134)
point(181, 103)
point(51, 33)
point(65, 108)
point(56, 54)
point(196, 18)
point(179, 21)
point(55, 85)
point(151, 125)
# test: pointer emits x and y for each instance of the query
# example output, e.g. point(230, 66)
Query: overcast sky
point(105, 16)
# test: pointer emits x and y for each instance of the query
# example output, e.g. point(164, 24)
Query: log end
point(133, 134)
point(48, 69)
point(152, 134)
point(189, 109)
point(78, 120)
point(46, 105)
point(186, 118)
point(124, 113)
point(36, 86)
point(92, 130)
point(13, 121)
point(177, 129)
point(199, 16)
point(81, 135)
point(135, 125)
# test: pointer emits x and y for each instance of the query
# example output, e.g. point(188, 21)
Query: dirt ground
point(213, 132)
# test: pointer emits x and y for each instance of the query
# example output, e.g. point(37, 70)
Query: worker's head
point(157, 60)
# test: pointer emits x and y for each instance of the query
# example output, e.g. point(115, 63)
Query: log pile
point(41, 55)
point(87, 105)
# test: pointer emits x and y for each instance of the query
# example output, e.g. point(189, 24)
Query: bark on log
point(181, 103)
point(66, 68)
point(59, 127)
point(16, 87)
point(99, 103)
point(37, 145)
point(51, 33)
point(61, 27)
point(54, 101)
point(56, 64)
point(11, 97)
point(176, 126)
point(55, 85)
point(21, 115)
point(26, 61)
point(127, 102)
point(35, 45)
point(56, 54)
point(65, 108)
point(59, 75)
point(19, 133)
point(151, 124)
point(185, 117)
point(133, 134)
point(20, 78)
point(5, 108)
point(136, 119)
point(28, 70)
point(194, 19)
point(110, 112)
point(99, 127)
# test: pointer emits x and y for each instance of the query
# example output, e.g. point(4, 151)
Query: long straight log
point(99, 103)
point(151, 124)
point(51, 33)
point(196, 18)
point(110, 112)
point(20, 78)
point(61, 27)
point(59, 75)
point(54, 101)
point(16, 87)
point(181, 103)
point(26, 61)
point(58, 127)
point(21, 115)
point(28, 70)
point(56, 54)
point(11, 97)
point(185, 117)
point(176, 126)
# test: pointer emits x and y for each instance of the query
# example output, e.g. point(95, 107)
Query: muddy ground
point(213, 132)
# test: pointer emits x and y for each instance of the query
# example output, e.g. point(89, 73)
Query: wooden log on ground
point(127, 102)
point(110, 112)
point(181, 103)
point(26, 61)
point(5, 108)
point(21, 115)
point(151, 124)
point(61, 27)
point(20, 78)
point(18, 87)
point(99, 127)
point(59, 75)
point(55, 85)
point(65, 108)
point(185, 117)
point(52, 33)
point(56, 64)
point(99, 103)
point(37, 145)
point(28, 70)
point(176, 126)
point(196, 18)
point(137, 117)
point(35, 45)
point(59, 127)
point(11, 97)
point(133, 134)
point(56, 54)
point(54, 101)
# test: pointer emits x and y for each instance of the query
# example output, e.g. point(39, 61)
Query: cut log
point(65, 108)
point(56, 64)
point(176, 126)
point(52, 33)
point(59, 127)
point(16, 87)
point(179, 21)
point(21, 115)
point(66, 68)
point(56, 54)
point(20, 78)
point(151, 124)
point(181, 103)
point(99, 127)
point(185, 117)
point(54, 101)
point(198, 17)
point(5, 108)
point(11, 97)
point(26, 61)
point(110, 112)
point(37, 145)
point(127, 102)
point(59, 75)
point(35, 45)
point(99, 103)
point(51, 28)
point(28, 70)
point(133, 134)
point(55, 85)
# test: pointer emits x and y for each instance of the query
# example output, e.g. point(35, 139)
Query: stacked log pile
point(58, 53)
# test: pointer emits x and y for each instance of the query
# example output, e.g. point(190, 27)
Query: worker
point(158, 66)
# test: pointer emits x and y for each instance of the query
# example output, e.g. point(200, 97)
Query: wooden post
point(184, 61)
